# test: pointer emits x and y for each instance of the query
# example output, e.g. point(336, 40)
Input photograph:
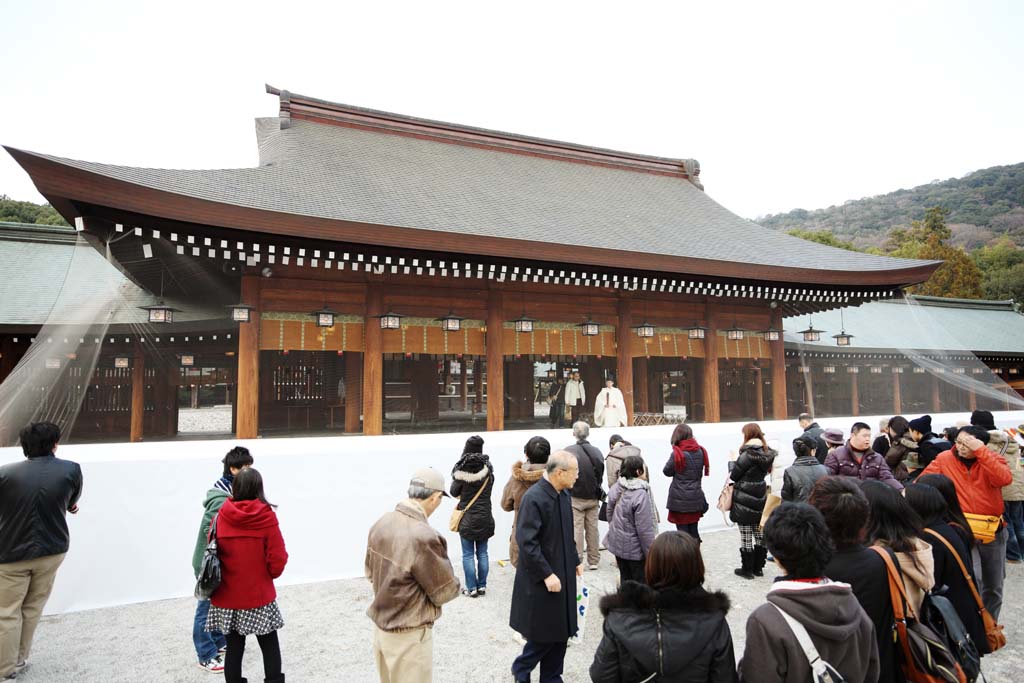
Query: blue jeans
point(1015, 520)
point(475, 563)
point(207, 642)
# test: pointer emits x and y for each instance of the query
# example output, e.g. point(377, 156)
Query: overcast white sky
point(786, 105)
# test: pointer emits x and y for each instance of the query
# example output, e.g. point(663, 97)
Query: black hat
point(922, 424)
point(474, 444)
point(983, 418)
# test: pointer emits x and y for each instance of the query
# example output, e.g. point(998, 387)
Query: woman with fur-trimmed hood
point(524, 475)
point(669, 630)
point(473, 474)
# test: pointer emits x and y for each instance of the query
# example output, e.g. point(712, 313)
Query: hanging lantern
point(842, 339)
point(590, 328)
point(160, 313)
point(697, 332)
point(324, 317)
point(734, 333)
point(829, 369)
point(390, 320)
point(188, 360)
point(811, 334)
point(772, 334)
point(644, 330)
point(241, 313)
point(450, 322)
point(524, 324)
point(121, 362)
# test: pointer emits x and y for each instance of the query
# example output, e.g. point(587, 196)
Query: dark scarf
point(225, 483)
point(691, 445)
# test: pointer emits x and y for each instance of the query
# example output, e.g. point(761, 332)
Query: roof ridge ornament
point(285, 111)
point(691, 167)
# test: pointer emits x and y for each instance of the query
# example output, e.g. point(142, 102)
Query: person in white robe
point(610, 406)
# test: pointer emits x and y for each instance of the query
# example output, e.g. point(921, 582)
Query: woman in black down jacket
point(472, 472)
point(686, 465)
point(749, 494)
point(671, 630)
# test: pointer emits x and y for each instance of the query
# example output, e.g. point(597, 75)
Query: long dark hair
point(892, 520)
point(681, 433)
point(954, 513)
point(898, 426)
point(248, 485)
point(674, 561)
point(752, 430)
point(927, 502)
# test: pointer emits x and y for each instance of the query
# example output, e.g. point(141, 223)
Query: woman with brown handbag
point(472, 484)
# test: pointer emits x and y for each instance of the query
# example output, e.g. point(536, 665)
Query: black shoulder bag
point(209, 571)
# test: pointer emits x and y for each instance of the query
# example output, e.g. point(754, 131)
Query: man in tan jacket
point(407, 563)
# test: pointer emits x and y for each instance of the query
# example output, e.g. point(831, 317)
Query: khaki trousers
point(405, 656)
point(24, 589)
point(584, 523)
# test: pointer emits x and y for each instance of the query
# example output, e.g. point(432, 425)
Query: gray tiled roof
point(349, 174)
point(49, 277)
point(918, 323)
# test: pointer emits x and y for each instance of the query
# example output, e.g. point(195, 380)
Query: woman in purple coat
point(632, 525)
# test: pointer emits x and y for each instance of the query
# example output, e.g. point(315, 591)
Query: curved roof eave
point(96, 184)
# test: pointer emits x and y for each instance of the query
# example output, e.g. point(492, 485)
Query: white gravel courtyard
point(327, 636)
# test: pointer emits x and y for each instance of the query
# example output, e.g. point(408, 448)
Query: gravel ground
point(328, 637)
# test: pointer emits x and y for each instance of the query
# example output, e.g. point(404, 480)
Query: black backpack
point(209, 571)
point(938, 612)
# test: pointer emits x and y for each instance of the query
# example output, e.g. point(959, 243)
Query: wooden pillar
point(138, 409)
point(936, 398)
point(353, 390)
point(6, 357)
point(780, 409)
point(624, 338)
point(373, 363)
point(972, 399)
point(758, 395)
point(161, 407)
point(248, 399)
point(808, 390)
point(478, 384)
point(712, 397)
point(463, 384)
point(495, 363)
point(423, 391)
point(641, 384)
point(897, 394)
point(854, 394)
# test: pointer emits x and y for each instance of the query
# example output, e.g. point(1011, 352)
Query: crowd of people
point(860, 538)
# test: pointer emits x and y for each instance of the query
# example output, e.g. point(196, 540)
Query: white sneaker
point(214, 666)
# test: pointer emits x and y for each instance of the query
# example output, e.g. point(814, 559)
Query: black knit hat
point(983, 418)
point(922, 424)
point(474, 444)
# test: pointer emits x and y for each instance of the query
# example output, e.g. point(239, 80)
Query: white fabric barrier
point(132, 541)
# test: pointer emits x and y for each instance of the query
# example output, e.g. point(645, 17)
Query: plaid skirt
point(247, 622)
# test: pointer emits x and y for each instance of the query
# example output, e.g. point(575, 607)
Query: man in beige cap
point(407, 563)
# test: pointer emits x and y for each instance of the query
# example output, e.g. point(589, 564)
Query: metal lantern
point(734, 333)
point(241, 313)
point(772, 334)
point(842, 339)
point(188, 360)
point(590, 328)
point(644, 330)
point(324, 317)
point(811, 334)
point(121, 362)
point(524, 324)
point(450, 322)
point(160, 313)
point(829, 369)
point(390, 320)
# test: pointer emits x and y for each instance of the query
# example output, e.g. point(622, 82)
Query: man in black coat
point(35, 495)
point(814, 430)
point(544, 594)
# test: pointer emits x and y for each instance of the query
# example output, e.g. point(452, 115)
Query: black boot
point(746, 564)
point(759, 560)
point(275, 679)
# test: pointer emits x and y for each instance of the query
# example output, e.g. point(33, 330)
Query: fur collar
point(908, 443)
point(754, 443)
point(636, 484)
point(633, 595)
point(472, 477)
point(529, 473)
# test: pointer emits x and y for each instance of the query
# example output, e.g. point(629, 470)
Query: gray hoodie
point(840, 630)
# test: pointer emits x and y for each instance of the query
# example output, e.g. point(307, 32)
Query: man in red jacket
point(979, 476)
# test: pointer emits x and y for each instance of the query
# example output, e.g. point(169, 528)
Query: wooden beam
point(353, 390)
point(758, 395)
point(780, 409)
point(712, 396)
point(641, 384)
point(138, 408)
point(495, 363)
point(463, 385)
point(373, 363)
point(624, 341)
point(972, 398)
point(897, 395)
point(248, 412)
point(854, 394)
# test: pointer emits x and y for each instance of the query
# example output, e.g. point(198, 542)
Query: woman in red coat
point(251, 552)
